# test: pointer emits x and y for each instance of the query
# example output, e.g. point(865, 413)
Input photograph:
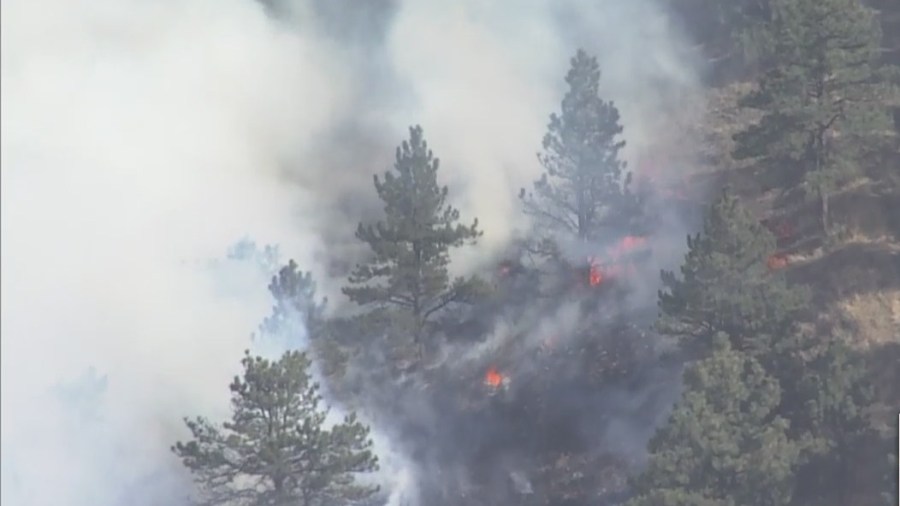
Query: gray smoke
point(141, 139)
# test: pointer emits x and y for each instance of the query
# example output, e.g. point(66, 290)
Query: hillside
point(854, 276)
point(596, 356)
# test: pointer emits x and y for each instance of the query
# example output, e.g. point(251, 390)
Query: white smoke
point(485, 76)
point(138, 138)
point(142, 137)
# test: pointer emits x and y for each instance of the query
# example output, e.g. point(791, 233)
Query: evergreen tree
point(294, 292)
point(723, 444)
point(584, 189)
point(726, 286)
point(826, 400)
point(733, 31)
point(411, 246)
point(274, 451)
point(822, 96)
point(298, 314)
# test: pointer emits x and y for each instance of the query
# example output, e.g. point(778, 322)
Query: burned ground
point(549, 392)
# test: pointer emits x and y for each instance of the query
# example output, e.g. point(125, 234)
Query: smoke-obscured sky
point(140, 139)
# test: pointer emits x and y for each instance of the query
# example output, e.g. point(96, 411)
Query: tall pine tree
point(822, 97)
point(584, 189)
point(275, 451)
point(410, 248)
point(726, 285)
point(724, 444)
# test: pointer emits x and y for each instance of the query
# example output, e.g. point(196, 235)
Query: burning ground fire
point(518, 435)
point(613, 262)
point(598, 272)
point(494, 379)
point(628, 244)
point(776, 262)
point(595, 277)
point(784, 231)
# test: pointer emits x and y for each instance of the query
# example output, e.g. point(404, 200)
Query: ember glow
point(600, 272)
point(630, 241)
point(595, 276)
point(776, 262)
point(628, 244)
point(493, 378)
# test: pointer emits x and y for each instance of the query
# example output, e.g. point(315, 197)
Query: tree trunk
point(418, 334)
point(823, 198)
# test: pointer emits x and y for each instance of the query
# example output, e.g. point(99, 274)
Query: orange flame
point(626, 244)
point(631, 241)
point(598, 274)
point(493, 378)
point(595, 276)
point(776, 262)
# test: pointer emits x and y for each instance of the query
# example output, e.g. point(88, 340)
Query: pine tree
point(822, 96)
point(584, 189)
point(723, 444)
point(826, 399)
point(411, 246)
point(274, 451)
point(726, 286)
point(298, 319)
point(294, 292)
point(733, 31)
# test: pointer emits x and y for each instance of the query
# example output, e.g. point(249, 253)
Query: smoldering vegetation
point(546, 394)
point(142, 141)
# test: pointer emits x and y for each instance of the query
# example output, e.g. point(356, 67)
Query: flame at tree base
point(617, 262)
point(493, 378)
point(595, 277)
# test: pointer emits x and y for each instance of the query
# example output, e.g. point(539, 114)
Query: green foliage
point(294, 292)
point(584, 190)
point(274, 451)
point(837, 392)
point(726, 286)
point(822, 97)
point(411, 247)
point(723, 444)
point(735, 30)
point(826, 399)
point(298, 313)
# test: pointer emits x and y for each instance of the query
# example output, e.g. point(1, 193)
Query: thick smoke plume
point(141, 139)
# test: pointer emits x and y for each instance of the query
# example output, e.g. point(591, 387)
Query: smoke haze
point(141, 139)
